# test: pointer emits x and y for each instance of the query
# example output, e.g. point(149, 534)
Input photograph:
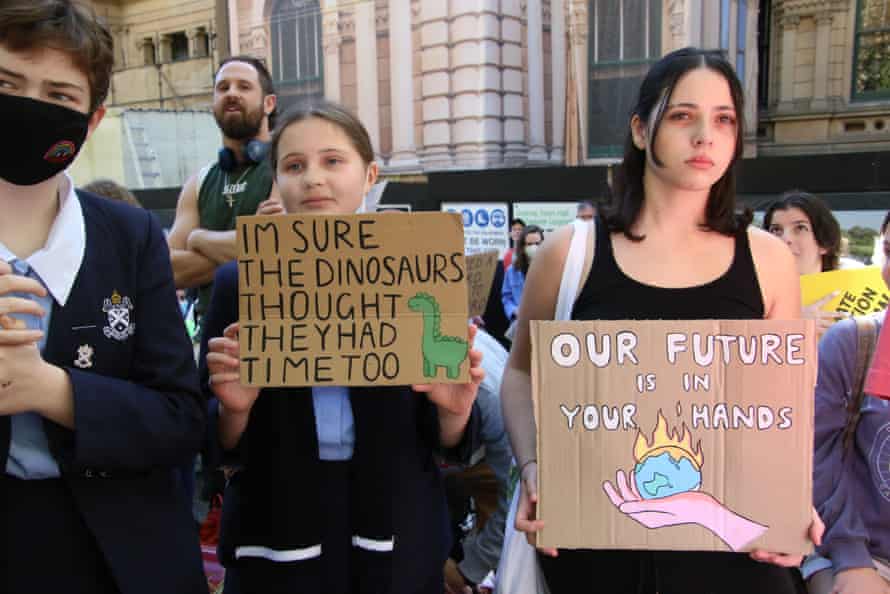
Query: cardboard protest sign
point(677, 435)
point(480, 274)
point(375, 299)
point(860, 290)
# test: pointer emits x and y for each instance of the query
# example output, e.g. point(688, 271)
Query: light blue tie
point(29, 455)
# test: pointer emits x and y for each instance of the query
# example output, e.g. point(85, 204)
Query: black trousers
point(337, 575)
point(665, 572)
point(47, 546)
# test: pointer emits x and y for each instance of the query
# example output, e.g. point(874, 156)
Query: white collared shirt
point(55, 266)
point(59, 260)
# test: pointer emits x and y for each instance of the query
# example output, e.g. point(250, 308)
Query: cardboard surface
point(480, 274)
point(375, 299)
point(861, 290)
point(645, 446)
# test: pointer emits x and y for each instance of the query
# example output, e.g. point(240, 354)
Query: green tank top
point(223, 196)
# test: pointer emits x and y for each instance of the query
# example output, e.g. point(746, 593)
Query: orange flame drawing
point(665, 440)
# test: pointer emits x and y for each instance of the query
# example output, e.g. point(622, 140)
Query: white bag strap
point(573, 269)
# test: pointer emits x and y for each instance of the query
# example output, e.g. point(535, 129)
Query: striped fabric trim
point(279, 556)
point(369, 544)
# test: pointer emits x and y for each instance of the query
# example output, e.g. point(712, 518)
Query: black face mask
point(40, 139)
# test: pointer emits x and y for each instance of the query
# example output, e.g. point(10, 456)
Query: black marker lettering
point(304, 243)
point(365, 237)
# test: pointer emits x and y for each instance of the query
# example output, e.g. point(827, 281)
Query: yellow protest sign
point(860, 290)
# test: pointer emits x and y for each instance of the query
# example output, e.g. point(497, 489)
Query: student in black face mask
point(98, 390)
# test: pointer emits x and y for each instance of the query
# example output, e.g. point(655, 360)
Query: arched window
point(624, 40)
point(296, 59)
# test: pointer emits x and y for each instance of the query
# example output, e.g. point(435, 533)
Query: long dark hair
point(826, 229)
point(655, 95)
point(521, 261)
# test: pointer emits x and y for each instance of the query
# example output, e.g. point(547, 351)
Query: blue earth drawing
point(663, 475)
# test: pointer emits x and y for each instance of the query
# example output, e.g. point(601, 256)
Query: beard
point(242, 125)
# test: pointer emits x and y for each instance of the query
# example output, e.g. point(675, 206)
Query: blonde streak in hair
point(655, 116)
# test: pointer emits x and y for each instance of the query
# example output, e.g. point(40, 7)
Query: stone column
point(684, 18)
point(537, 150)
point(366, 70)
point(234, 33)
point(693, 20)
point(749, 80)
point(515, 147)
point(558, 70)
point(404, 154)
point(330, 23)
point(436, 84)
point(579, 38)
point(823, 52)
point(165, 52)
point(192, 35)
point(196, 37)
point(789, 38)
point(476, 129)
point(146, 47)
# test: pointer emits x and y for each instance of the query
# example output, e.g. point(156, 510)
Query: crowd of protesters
point(334, 490)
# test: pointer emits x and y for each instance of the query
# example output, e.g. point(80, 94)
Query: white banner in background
point(547, 215)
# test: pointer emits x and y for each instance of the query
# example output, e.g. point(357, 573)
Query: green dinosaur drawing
point(438, 351)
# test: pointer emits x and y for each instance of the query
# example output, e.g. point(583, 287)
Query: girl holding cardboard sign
point(338, 492)
point(670, 247)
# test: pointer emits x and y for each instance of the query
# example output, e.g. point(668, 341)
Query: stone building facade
point(165, 52)
point(440, 84)
point(471, 84)
point(827, 77)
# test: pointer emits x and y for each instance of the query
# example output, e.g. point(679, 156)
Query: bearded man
point(238, 183)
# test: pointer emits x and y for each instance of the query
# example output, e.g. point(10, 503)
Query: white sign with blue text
point(486, 225)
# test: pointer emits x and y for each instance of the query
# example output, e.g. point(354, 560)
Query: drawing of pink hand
point(691, 507)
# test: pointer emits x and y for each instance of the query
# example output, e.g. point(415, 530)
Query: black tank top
point(609, 294)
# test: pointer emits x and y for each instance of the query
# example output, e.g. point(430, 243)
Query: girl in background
point(806, 225)
point(514, 277)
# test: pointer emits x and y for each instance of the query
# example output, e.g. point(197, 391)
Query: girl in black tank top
point(609, 294)
point(690, 109)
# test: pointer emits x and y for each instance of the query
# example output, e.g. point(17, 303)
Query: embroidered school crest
point(879, 457)
point(60, 152)
point(118, 310)
point(84, 358)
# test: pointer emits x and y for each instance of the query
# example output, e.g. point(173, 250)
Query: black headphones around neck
point(254, 152)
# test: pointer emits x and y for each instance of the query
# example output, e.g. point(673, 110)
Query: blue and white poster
point(486, 225)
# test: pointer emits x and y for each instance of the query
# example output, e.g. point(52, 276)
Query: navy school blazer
point(138, 409)
point(420, 514)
